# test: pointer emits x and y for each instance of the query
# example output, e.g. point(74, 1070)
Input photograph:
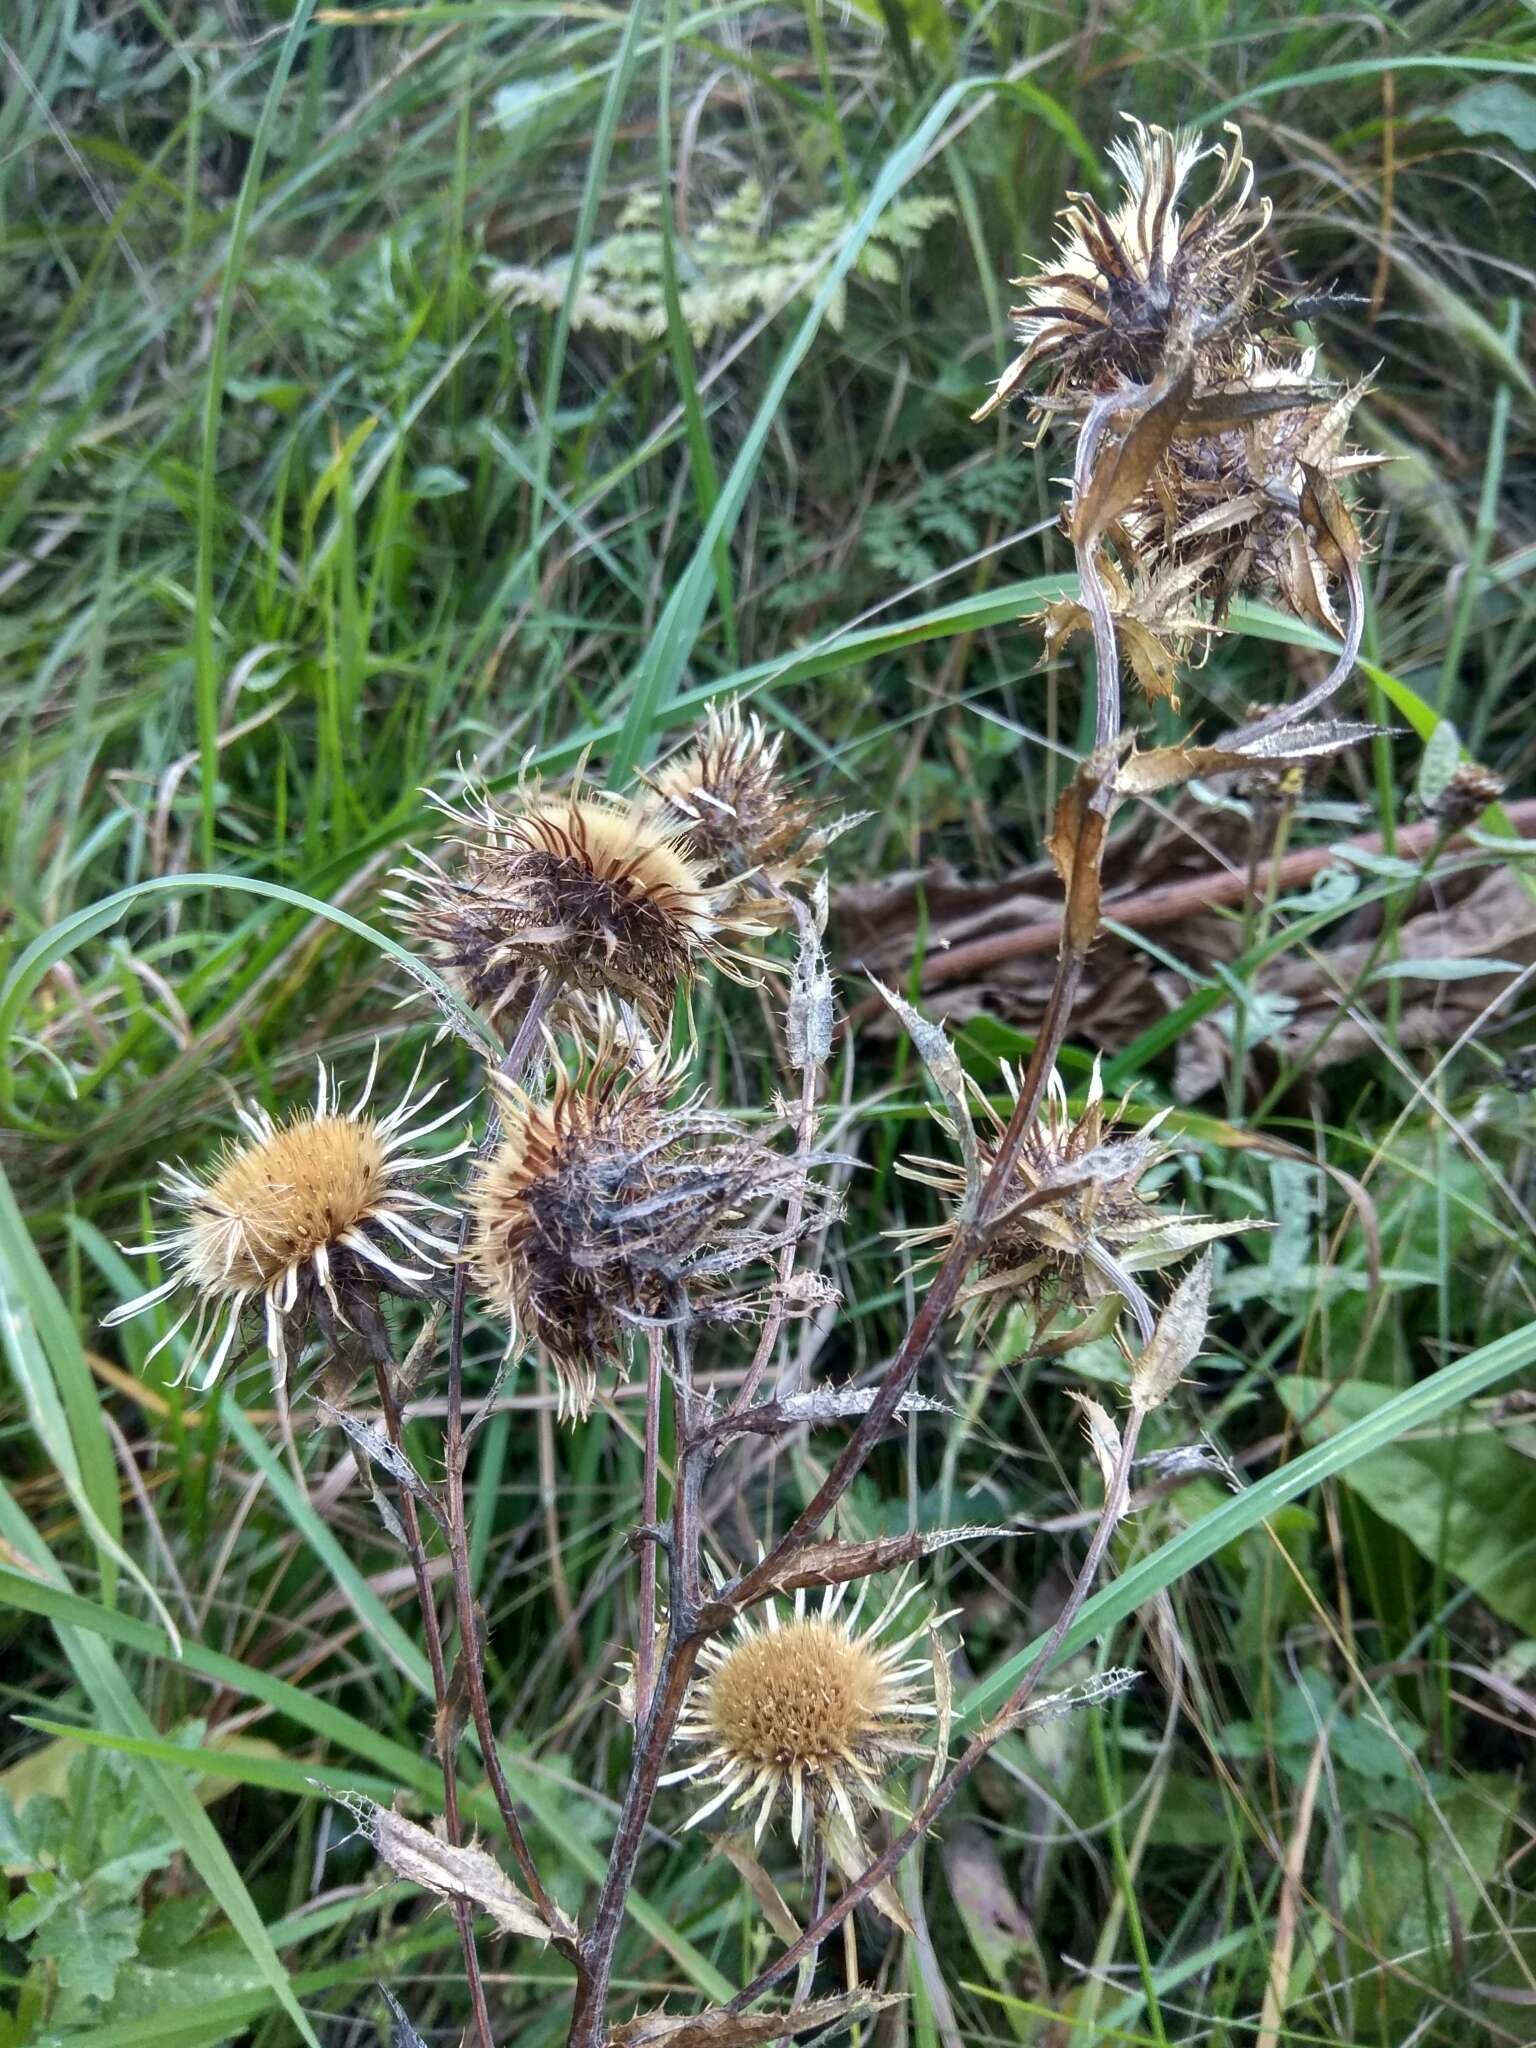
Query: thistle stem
point(457, 1523)
point(443, 1736)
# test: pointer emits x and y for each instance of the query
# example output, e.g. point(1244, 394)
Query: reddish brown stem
point(1147, 909)
point(410, 1521)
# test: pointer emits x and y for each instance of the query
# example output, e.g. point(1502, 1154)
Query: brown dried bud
point(606, 1194)
point(1469, 790)
point(594, 891)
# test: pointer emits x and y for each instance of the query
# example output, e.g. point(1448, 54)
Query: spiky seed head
point(1075, 1227)
point(593, 891)
point(810, 1710)
point(311, 1217)
point(1126, 285)
point(728, 793)
point(608, 1190)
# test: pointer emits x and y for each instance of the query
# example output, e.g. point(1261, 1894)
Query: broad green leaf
point(1464, 1497)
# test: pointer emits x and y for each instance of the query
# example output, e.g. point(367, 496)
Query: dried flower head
point(728, 794)
point(1469, 790)
point(1077, 1228)
point(595, 891)
point(812, 1707)
point(606, 1193)
point(300, 1216)
point(1127, 285)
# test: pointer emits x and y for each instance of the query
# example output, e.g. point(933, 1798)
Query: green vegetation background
point(384, 385)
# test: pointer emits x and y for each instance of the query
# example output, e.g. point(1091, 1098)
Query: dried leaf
point(997, 1924)
point(1176, 1342)
point(944, 1704)
point(809, 1018)
point(379, 1451)
point(1096, 1691)
point(737, 1851)
point(1141, 774)
point(465, 1872)
point(851, 1858)
point(1124, 470)
point(1103, 1434)
point(832, 1404)
point(401, 2033)
point(1328, 520)
point(721, 2029)
point(832, 1563)
point(949, 1077)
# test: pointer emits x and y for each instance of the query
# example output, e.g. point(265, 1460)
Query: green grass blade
point(1409, 1410)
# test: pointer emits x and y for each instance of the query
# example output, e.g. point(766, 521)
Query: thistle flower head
point(312, 1216)
point(1075, 1227)
point(1124, 285)
point(728, 794)
point(608, 1191)
point(594, 891)
point(810, 1711)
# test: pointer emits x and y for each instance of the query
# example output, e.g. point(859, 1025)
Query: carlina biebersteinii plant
point(312, 1217)
point(589, 893)
point(810, 1715)
point(609, 1190)
point(728, 793)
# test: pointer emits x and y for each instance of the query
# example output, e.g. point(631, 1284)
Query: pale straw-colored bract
point(313, 1208)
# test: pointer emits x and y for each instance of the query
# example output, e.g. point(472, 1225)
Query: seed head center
point(277, 1202)
point(806, 1694)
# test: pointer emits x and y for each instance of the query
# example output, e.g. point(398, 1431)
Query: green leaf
point(1469, 969)
point(1460, 1496)
point(1499, 108)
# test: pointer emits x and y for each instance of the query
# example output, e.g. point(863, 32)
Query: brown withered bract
point(1125, 285)
point(1076, 1228)
point(593, 891)
point(728, 796)
point(605, 1193)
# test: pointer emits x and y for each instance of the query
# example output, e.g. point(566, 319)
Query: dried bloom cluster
point(812, 1712)
point(609, 1190)
point(1077, 1228)
point(600, 894)
point(299, 1217)
point(727, 792)
point(1210, 453)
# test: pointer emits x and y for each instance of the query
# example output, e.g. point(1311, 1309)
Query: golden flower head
point(728, 795)
point(1076, 1227)
point(607, 1192)
point(594, 891)
point(309, 1217)
point(809, 1709)
point(1124, 285)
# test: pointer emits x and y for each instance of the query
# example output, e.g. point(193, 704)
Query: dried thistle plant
point(592, 893)
point(610, 1189)
point(1072, 1228)
point(308, 1216)
point(1209, 453)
